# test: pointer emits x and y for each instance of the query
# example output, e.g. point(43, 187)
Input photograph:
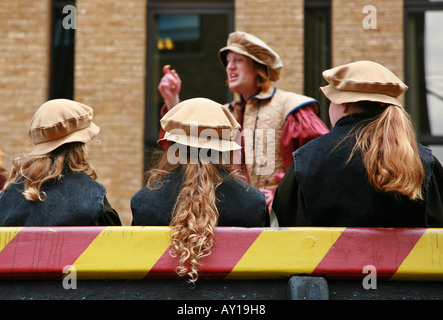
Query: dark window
point(317, 55)
point(178, 34)
point(61, 83)
point(186, 36)
point(424, 70)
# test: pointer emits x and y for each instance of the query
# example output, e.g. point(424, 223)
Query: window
point(317, 56)
point(186, 36)
point(178, 34)
point(61, 82)
point(424, 70)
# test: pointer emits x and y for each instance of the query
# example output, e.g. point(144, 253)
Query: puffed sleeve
point(300, 127)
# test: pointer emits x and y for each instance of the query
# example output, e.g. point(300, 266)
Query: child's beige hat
point(362, 81)
point(201, 123)
point(60, 121)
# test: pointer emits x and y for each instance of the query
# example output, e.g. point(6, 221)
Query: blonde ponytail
point(195, 217)
point(389, 150)
point(195, 213)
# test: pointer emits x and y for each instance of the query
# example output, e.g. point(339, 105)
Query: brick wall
point(110, 77)
point(351, 41)
point(24, 70)
point(280, 25)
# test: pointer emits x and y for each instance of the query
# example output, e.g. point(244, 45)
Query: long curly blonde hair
point(195, 213)
point(35, 171)
point(388, 145)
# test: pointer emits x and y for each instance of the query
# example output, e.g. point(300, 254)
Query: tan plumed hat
point(362, 81)
point(201, 123)
point(246, 44)
point(61, 121)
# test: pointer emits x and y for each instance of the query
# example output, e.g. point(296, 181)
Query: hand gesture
point(169, 86)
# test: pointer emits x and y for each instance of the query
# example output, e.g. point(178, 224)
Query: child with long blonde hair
point(369, 171)
point(55, 184)
point(191, 185)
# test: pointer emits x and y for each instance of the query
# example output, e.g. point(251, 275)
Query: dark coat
point(73, 200)
point(239, 203)
point(321, 189)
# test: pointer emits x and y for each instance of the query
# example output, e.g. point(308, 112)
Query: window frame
point(179, 8)
point(316, 76)
point(415, 6)
point(54, 88)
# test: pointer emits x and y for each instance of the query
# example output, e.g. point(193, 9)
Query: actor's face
point(241, 73)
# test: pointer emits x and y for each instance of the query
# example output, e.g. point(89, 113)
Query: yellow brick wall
point(351, 41)
point(110, 77)
point(24, 70)
point(280, 25)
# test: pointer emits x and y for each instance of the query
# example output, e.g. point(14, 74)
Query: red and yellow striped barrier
point(239, 253)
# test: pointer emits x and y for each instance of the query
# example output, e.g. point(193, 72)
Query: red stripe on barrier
point(217, 265)
point(385, 249)
point(42, 253)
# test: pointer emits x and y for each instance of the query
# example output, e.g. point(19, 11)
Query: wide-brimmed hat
point(362, 81)
point(61, 121)
point(246, 44)
point(201, 123)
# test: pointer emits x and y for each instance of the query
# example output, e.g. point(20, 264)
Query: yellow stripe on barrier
point(123, 252)
point(281, 252)
point(425, 261)
point(7, 234)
